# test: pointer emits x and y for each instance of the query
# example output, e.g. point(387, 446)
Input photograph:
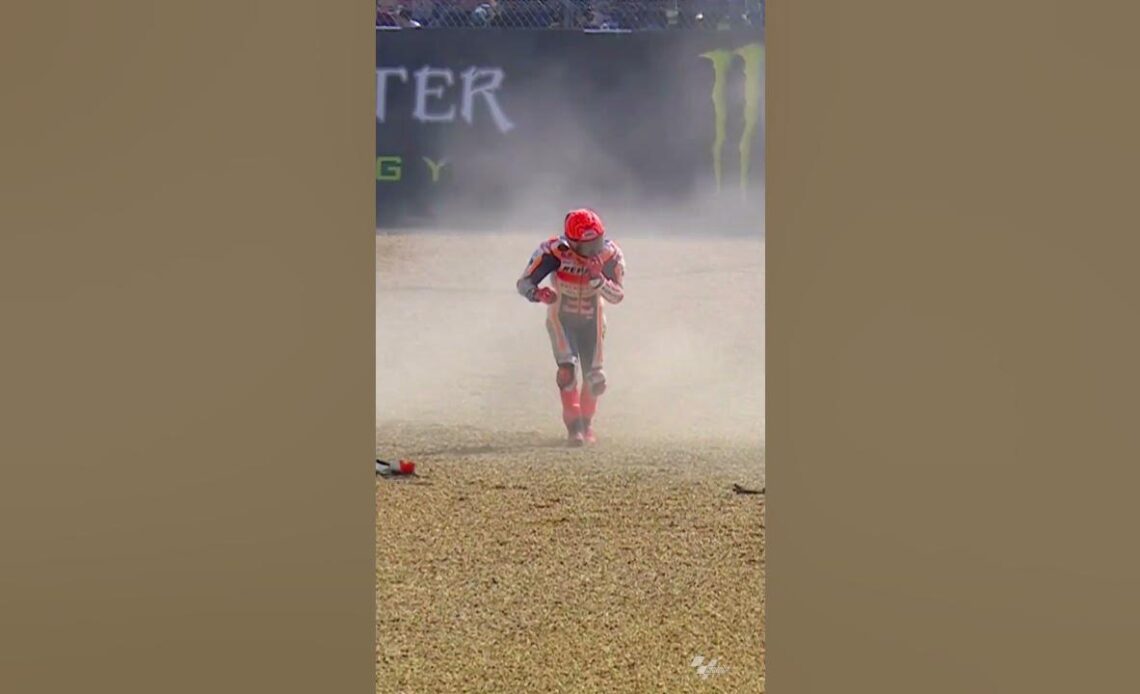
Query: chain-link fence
point(585, 15)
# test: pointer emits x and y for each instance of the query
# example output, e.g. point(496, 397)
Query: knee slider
point(596, 378)
point(565, 376)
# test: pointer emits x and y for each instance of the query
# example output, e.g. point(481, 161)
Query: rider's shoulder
point(553, 246)
point(612, 249)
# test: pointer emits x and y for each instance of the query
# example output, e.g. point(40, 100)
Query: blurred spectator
point(386, 14)
point(423, 11)
point(486, 14)
point(593, 15)
point(451, 14)
point(404, 19)
point(391, 14)
point(603, 17)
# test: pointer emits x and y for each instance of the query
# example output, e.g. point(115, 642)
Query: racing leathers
point(575, 320)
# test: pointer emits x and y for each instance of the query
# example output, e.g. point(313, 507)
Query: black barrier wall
point(485, 128)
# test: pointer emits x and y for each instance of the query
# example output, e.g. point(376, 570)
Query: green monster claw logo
point(753, 57)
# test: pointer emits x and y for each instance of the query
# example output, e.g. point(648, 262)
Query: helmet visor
point(588, 249)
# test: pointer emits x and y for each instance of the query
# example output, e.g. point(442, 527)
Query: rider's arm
point(609, 285)
point(541, 264)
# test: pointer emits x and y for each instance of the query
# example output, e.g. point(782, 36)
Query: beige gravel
point(514, 564)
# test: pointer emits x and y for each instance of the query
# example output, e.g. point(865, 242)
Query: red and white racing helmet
point(585, 232)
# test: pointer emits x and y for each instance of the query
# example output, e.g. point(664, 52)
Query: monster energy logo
point(722, 60)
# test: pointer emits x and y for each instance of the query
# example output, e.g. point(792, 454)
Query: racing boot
point(588, 404)
point(572, 416)
point(575, 434)
point(588, 435)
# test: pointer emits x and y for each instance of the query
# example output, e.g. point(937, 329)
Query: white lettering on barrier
point(432, 84)
point(424, 91)
point(382, 75)
point(487, 91)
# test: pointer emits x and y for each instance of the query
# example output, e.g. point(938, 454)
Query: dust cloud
point(684, 353)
